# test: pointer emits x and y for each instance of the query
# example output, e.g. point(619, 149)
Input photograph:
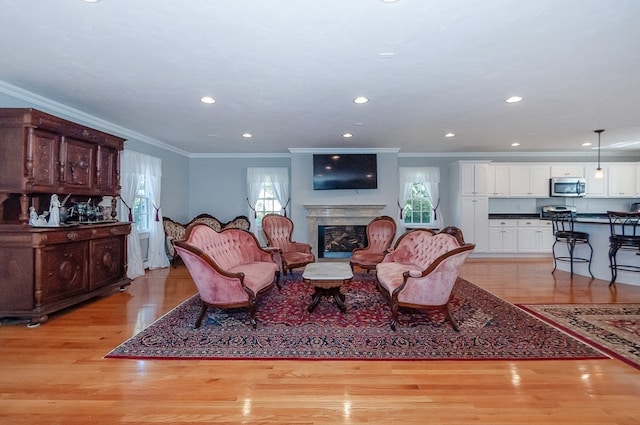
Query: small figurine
point(33, 216)
point(37, 220)
point(54, 211)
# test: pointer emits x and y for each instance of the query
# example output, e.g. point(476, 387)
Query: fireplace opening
point(339, 241)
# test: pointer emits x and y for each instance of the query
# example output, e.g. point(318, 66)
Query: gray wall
point(302, 190)
point(175, 178)
point(218, 186)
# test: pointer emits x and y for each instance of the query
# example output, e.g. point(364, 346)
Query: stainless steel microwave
point(567, 187)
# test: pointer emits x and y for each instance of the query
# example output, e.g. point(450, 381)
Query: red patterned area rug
point(490, 328)
point(612, 328)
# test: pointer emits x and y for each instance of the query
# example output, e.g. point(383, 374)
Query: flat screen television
point(345, 171)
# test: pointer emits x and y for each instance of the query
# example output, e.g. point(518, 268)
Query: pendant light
point(599, 172)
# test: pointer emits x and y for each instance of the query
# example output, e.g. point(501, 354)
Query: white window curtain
point(278, 176)
point(134, 168)
point(157, 255)
point(430, 178)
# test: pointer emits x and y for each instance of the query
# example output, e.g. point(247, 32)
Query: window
point(142, 208)
point(420, 197)
point(267, 202)
point(268, 191)
point(417, 209)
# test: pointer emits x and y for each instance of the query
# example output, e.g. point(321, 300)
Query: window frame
point(261, 212)
point(142, 198)
point(421, 198)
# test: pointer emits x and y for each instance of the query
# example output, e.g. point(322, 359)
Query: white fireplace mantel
point(338, 215)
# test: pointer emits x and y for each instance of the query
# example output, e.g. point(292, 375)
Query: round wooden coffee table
point(327, 278)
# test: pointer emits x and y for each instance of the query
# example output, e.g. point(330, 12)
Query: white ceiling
point(287, 71)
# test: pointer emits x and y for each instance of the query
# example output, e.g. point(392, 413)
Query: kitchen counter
point(598, 218)
point(512, 216)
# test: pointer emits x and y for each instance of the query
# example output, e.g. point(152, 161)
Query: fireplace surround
point(337, 215)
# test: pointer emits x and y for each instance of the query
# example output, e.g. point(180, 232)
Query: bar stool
point(625, 235)
point(563, 232)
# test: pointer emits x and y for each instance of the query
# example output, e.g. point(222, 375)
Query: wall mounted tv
point(345, 171)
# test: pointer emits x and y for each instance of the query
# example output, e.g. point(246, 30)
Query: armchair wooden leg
point(252, 314)
point(277, 280)
point(451, 319)
point(203, 311)
point(394, 316)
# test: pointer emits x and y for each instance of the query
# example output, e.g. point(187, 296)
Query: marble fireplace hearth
point(337, 215)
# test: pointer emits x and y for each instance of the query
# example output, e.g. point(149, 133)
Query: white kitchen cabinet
point(498, 181)
point(474, 213)
point(567, 170)
point(473, 178)
point(470, 204)
point(535, 236)
point(503, 236)
point(596, 188)
point(546, 234)
point(529, 181)
point(623, 180)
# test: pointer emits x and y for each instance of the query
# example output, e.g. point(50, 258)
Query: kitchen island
point(597, 226)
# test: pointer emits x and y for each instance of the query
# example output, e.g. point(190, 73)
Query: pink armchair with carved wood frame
point(229, 268)
point(422, 269)
point(278, 230)
point(380, 234)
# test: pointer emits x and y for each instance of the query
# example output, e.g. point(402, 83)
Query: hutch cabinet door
point(107, 170)
point(41, 161)
point(78, 158)
point(107, 260)
point(16, 277)
point(64, 271)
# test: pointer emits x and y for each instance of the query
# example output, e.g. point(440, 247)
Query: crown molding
point(522, 154)
point(344, 150)
point(53, 107)
point(239, 155)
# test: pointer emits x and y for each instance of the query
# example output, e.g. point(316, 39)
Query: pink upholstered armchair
point(229, 268)
point(422, 269)
point(278, 229)
point(380, 234)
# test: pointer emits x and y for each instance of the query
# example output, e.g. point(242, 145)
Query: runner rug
point(613, 328)
point(490, 328)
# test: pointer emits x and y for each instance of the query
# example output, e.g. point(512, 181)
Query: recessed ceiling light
point(207, 99)
point(514, 144)
point(360, 100)
point(92, 1)
point(347, 135)
point(386, 56)
point(247, 135)
point(514, 99)
point(585, 144)
point(449, 135)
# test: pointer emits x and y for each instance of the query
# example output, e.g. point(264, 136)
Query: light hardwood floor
point(56, 373)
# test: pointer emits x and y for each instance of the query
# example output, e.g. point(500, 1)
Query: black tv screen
point(345, 171)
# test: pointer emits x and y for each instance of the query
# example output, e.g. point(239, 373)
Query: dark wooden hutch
point(46, 269)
